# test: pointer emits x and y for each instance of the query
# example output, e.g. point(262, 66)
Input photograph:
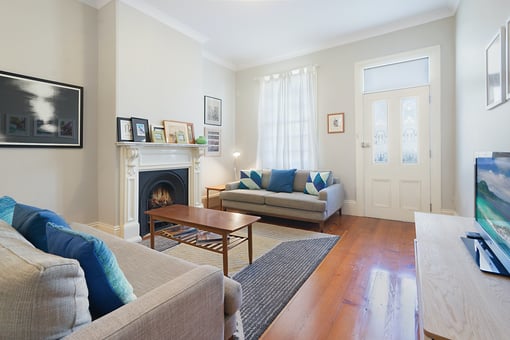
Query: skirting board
point(108, 228)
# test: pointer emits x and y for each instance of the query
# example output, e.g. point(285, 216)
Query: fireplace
point(176, 169)
point(158, 189)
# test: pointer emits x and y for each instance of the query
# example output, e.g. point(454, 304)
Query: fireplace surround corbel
point(139, 157)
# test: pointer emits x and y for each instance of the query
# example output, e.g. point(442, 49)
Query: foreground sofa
point(292, 204)
point(45, 296)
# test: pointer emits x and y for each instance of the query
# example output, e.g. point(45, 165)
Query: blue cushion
point(7, 208)
point(282, 180)
point(250, 179)
point(316, 182)
point(108, 287)
point(31, 223)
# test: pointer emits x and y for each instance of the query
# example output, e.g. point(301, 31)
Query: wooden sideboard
point(455, 299)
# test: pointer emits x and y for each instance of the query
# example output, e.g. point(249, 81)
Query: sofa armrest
point(232, 185)
point(334, 197)
point(188, 307)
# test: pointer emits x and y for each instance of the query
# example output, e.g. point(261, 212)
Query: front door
point(396, 153)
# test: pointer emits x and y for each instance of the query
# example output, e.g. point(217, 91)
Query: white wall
point(336, 94)
point(54, 40)
point(219, 82)
point(477, 128)
point(151, 71)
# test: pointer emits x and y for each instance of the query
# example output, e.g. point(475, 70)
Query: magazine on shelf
point(208, 237)
point(179, 230)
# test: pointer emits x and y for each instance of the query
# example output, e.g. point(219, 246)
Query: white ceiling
point(244, 33)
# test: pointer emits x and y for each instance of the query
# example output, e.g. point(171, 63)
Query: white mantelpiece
point(138, 157)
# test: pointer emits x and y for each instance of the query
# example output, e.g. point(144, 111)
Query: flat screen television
point(491, 247)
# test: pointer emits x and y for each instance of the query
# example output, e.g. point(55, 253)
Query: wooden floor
point(364, 289)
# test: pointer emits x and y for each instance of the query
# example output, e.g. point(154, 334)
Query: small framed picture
point(213, 136)
point(212, 111)
point(176, 132)
point(158, 134)
point(124, 130)
point(18, 125)
point(191, 134)
point(45, 128)
point(66, 128)
point(494, 76)
point(335, 122)
point(140, 129)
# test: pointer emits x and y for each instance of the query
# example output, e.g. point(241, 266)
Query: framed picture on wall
point(40, 112)
point(213, 136)
point(494, 67)
point(335, 122)
point(212, 111)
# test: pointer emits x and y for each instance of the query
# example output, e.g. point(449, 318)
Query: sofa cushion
point(251, 196)
point(42, 296)
point(296, 200)
point(317, 180)
point(266, 176)
point(7, 208)
point(300, 180)
point(250, 179)
point(282, 180)
point(31, 223)
point(108, 287)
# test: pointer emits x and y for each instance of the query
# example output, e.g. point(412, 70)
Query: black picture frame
point(212, 111)
point(140, 128)
point(124, 129)
point(37, 112)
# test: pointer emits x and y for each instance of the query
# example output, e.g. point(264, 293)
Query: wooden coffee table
point(220, 222)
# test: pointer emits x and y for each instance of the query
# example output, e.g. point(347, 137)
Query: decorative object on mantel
point(39, 113)
point(140, 129)
point(158, 134)
point(336, 122)
point(213, 136)
point(176, 132)
point(201, 140)
point(124, 130)
point(494, 65)
point(191, 134)
point(212, 111)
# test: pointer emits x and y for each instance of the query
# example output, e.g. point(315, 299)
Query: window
point(288, 120)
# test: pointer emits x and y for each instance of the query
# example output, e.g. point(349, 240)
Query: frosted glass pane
point(400, 75)
point(380, 132)
point(409, 123)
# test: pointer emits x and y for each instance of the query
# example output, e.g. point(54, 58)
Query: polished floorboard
point(364, 289)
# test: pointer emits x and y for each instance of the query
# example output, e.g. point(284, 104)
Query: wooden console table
point(220, 222)
point(455, 299)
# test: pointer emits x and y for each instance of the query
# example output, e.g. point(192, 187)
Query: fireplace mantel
point(138, 157)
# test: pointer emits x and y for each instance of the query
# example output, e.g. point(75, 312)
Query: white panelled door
point(396, 153)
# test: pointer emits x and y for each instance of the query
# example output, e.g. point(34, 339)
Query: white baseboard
point(108, 228)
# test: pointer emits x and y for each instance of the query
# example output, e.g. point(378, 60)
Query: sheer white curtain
point(288, 120)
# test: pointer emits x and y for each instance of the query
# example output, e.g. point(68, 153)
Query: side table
point(218, 188)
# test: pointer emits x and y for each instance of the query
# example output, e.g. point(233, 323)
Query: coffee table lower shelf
point(191, 239)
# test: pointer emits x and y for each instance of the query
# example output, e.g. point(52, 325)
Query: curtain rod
point(293, 69)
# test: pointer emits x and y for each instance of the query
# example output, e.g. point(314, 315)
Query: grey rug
point(273, 279)
point(160, 243)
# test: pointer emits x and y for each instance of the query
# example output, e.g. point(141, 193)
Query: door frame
point(434, 55)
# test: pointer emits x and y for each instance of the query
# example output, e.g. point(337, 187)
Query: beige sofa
point(45, 296)
point(295, 205)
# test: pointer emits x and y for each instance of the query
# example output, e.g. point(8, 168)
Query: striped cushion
point(250, 179)
point(317, 180)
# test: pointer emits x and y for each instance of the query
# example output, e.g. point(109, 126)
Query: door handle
point(365, 145)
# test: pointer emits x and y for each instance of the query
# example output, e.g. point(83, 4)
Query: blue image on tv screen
point(492, 206)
